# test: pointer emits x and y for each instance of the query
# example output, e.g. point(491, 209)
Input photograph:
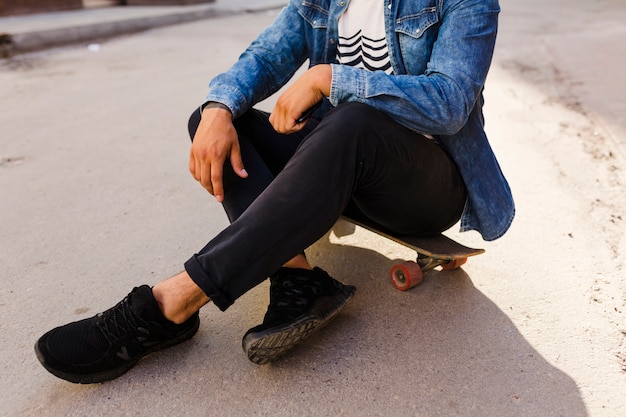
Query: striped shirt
point(362, 41)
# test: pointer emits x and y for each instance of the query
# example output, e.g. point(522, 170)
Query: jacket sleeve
point(440, 100)
point(264, 67)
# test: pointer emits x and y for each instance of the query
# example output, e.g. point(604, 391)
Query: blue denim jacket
point(440, 51)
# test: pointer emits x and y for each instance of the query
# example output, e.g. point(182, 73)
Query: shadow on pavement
point(441, 349)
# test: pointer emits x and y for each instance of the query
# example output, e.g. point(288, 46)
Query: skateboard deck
point(432, 251)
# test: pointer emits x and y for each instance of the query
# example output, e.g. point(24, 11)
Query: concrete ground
point(96, 199)
point(24, 33)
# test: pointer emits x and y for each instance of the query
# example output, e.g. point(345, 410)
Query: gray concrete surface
point(96, 198)
point(25, 33)
point(573, 52)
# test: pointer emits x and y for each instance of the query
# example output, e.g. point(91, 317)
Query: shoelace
point(292, 295)
point(117, 321)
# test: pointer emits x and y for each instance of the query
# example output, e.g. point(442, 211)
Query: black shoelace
point(291, 296)
point(118, 321)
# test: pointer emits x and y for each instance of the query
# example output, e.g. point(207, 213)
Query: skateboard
point(431, 252)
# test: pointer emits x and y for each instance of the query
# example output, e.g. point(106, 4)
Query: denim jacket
point(440, 51)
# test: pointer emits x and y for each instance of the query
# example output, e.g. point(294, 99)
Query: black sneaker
point(107, 345)
point(301, 302)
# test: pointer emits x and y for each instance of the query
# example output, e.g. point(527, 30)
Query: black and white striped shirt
point(362, 41)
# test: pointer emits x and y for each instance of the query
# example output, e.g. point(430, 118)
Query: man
point(397, 138)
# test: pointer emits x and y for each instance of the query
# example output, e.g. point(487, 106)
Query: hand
point(308, 90)
point(214, 141)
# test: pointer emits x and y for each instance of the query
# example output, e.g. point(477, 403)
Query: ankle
point(298, 262)
point(179, 298)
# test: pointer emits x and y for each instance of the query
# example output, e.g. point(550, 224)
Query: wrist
point(214, 105)
point(323, 75)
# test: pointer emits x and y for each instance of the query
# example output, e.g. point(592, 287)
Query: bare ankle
point(298, 261)
point(179, 298)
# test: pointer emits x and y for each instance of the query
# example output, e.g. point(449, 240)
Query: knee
point(351, 123)
point(356, 118)
point(353, 114)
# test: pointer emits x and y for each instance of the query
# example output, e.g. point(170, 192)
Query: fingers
point(214, 184)
point(209, 172)
point(214, 142)
point(298, 102)
point(237, 162)
point(277, 121)
point(201, 173)
point(287, 119)
point(293, 110)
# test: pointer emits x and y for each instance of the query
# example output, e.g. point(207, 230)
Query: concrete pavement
point(573, 52)
point(96, 199)
point(25, 33)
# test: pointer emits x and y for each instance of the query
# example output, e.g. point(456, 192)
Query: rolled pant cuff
point(203, 280)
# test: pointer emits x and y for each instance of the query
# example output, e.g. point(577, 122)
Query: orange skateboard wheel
point(406, 275)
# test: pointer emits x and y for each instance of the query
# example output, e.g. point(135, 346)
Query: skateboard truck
point(431, 252)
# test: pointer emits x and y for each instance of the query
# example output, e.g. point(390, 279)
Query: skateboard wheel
point(453, 264)
point(406, 275)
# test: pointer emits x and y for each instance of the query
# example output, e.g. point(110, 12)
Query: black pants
point(355, 161)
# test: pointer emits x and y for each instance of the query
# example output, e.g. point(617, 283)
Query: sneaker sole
point(108, 375)
point(268, 345)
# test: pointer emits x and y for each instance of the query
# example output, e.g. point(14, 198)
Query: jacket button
point(343, 3)
point(331, 41)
